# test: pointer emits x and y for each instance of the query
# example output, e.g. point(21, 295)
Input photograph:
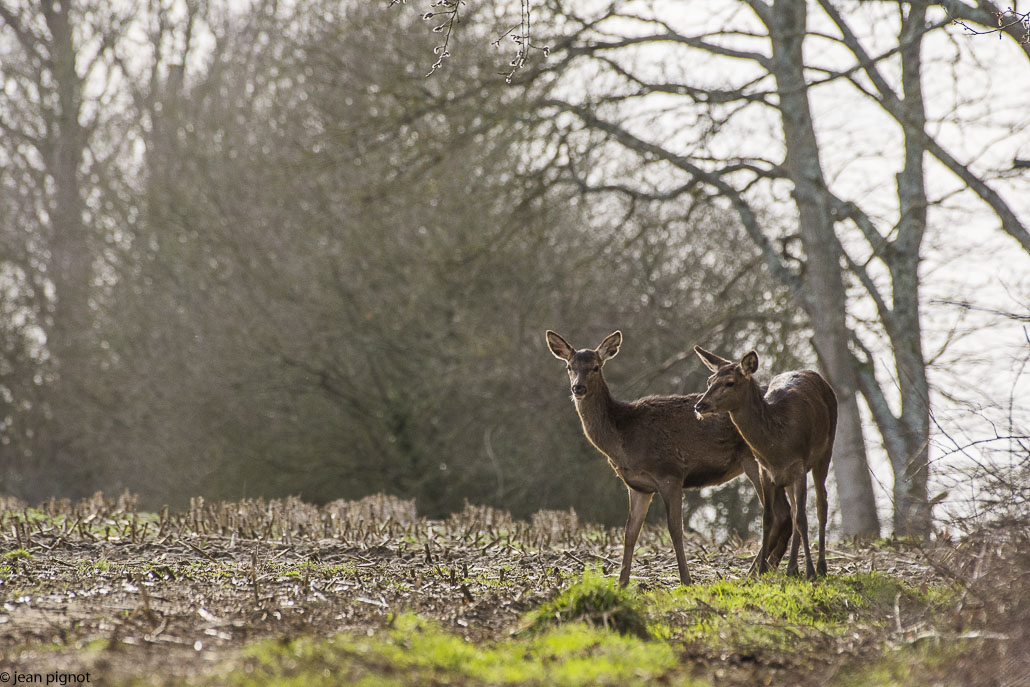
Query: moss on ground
point(596, 633)
point(597, 601)
point(415, 651)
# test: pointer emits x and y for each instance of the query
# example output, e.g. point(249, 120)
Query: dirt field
point(97, 591)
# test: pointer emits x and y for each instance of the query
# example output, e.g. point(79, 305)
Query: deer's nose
point(702, 407)
point(579, 390)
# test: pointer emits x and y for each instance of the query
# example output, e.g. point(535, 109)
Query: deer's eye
point(597, 368)
point(728, 384)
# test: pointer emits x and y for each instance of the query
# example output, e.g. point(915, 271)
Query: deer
point(790, 427)
point(658, 444)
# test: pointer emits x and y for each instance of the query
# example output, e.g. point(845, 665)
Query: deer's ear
point(559, 346)
point(749, 363)
point(711, 360)
point(609, 348)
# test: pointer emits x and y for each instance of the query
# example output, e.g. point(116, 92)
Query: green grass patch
point(415, 651)
point(322, 571)
point(16, 554)
point(777, 613)
point(595, 632)
point(99, 566)
point(596, 601)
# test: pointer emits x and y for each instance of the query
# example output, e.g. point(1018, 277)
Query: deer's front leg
point(768, 523)
point(638, 504)
point(782, 528)
point(778, 514)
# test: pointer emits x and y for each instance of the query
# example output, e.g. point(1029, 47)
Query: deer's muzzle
point(702, 408)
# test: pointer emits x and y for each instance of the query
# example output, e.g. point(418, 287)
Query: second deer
point(657, 444)
point(790, 428)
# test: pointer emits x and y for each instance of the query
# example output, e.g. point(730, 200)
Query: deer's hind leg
point(819, 479)
point(798, 496)
point(672, 495)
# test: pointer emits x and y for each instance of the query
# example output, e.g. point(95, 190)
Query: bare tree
point(57, 88)
point(644, 80)
point(318, 236)
point(276, 229)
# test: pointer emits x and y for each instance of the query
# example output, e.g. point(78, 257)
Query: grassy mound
point(596, 601)
point(415, 651)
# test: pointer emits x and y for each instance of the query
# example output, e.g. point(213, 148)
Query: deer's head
point(584, 366)
point(726, 388)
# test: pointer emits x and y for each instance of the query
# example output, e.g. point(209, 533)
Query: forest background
point(250, 249)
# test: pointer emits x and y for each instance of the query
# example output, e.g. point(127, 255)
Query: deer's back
point(806, 406)
point(665, 433)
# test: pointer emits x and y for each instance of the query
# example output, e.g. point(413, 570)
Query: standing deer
point(658, 444)
point(790, 429)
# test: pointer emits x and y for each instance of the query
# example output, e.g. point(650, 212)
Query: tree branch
point(714, 179)
point(888, 424)
point(988, 15)
point(892, 104)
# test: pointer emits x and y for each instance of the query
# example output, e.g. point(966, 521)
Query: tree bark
point(824, 285)
point(911, 468)
point(71, 258)
point(906, 435)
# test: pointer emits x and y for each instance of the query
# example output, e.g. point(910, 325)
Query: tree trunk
point(824, 286)
point(71, 261)
point(911, 469)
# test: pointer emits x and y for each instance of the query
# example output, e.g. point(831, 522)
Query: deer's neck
point(756, 422)
point(597, 413)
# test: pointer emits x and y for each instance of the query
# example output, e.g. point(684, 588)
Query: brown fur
point(657, 444)
point(790, 429)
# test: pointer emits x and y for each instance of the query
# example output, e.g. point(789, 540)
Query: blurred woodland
point(250, 249)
